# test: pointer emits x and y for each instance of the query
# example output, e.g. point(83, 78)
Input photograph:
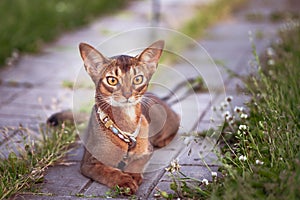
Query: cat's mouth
point(125, 102)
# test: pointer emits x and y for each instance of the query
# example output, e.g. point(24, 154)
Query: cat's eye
point(138, 80)
point(112, 80)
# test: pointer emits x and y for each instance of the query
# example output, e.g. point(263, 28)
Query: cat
point(126, 122)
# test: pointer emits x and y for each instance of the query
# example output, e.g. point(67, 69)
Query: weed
point(67, 84)
point(24, 168)
point(260, 148)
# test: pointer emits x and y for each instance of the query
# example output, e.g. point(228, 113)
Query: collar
point(129, 138)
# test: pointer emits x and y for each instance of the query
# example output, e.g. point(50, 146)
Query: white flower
point(238, 109)
point(271, 62)
point(230, 118)
point(205, 181)
point(244, 116)
point(258, 162)
point(242, 127)
point(174, 166)
point(242, 158)
point(226, 114)
point(232, 122)
point(214, 174)
point(270, 51)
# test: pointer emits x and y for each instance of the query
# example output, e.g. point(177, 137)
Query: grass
point(207, 16)
point(27, 24)
point(25, 167)
point(261, 148)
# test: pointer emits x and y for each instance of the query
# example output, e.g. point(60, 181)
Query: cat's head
point(121, 80)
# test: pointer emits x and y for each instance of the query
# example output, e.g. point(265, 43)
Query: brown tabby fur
point(125, 104)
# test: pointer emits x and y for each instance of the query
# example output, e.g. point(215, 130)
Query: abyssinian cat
point(120, 135)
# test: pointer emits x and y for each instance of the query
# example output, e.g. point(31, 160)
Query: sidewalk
point(32, 90)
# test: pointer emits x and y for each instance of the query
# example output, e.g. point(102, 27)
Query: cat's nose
point(127, 95)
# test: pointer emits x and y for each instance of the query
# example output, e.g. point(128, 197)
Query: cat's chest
point(130, 112)
point(126, 119)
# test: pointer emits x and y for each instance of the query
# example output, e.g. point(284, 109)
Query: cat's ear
point(151, 55)
point(93, 60)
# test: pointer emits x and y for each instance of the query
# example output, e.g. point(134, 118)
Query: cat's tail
point(66, 116)
point(185, 88)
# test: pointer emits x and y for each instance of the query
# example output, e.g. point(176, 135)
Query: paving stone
point(10, 93)
point(64, 180)
point(161, 186)
point(54, 197)
point(76, 152)
point(96, 189)
point(203, 152)
point(45, 98)
point(16, 121)
point(149, 182)
point(29, 70)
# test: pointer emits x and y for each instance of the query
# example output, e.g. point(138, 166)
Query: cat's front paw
point(126, 181)
point(137, 177)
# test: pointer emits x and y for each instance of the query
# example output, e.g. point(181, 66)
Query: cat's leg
point(166, 132)
point(165, 136)
point(136, 167)
point(106, 175)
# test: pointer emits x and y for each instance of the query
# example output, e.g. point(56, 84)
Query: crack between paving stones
point(85, 187)
point(154, 184)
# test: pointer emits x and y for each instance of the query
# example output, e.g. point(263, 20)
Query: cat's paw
point(137, 177)
point(127, 181)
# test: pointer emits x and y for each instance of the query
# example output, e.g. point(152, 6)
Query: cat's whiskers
point(147, 102)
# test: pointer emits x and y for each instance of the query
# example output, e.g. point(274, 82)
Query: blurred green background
point(25, 25)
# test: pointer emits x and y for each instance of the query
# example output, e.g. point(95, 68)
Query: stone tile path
point(32, 89)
